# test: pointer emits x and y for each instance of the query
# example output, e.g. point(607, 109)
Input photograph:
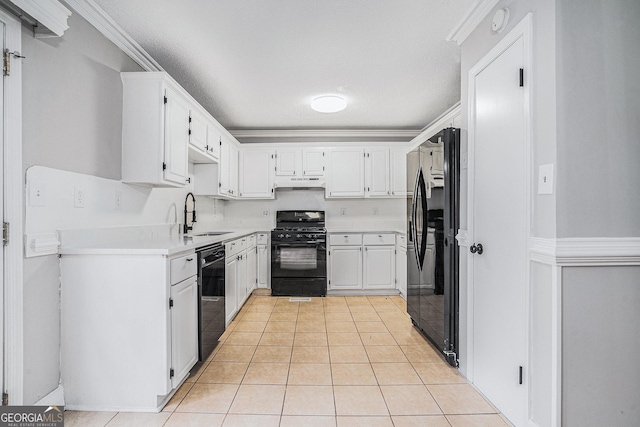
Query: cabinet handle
point(189, 259)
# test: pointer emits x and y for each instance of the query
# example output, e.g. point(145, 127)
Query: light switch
point(545, 179)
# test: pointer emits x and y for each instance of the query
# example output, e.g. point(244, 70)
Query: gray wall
point(72, 114)
point(601, 346)
point(598, 56)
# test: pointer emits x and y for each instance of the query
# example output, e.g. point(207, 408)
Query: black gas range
point(299, 254)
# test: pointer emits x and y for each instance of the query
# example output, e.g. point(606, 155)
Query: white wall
point(359, 212)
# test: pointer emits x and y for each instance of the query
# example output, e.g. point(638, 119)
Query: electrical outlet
point(37, 193)
point(118, 200)
point(78, 197)
point(375, 211)
point(265, 212)
point(343, 211)
point(545, 179)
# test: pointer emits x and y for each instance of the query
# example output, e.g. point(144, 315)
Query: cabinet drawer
point(263, 238)
point(183, 267)
point(251, 240)
point(380, 239)
point(345, 239)
point(402, 240)
point(235, 247)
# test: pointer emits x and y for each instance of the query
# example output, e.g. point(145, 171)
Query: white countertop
point(168, 245)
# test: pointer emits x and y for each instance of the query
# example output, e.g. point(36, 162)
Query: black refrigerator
point(433, 217)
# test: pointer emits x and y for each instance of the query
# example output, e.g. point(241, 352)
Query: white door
point(252, 269)
point(398, 172)
point(2, 255)
point(499, 222)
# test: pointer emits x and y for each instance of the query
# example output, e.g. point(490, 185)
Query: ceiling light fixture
point(329, 104)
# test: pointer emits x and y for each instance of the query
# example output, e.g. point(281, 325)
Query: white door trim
point(13, 205)
point(523, 30)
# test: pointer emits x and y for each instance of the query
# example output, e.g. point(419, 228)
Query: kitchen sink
point(212, 233)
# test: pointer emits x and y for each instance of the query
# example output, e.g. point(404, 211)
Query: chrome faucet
point(186, 227)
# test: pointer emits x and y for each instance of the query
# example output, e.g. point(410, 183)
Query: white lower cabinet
point(379, 267)
point(128, 329)
point(346, 267)
point(264, 260)
point(401, 265)
point(240, 273)
point(230, 288)
point(184, 321)
point(362, 261)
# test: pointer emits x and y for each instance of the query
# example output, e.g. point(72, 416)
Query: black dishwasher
point(211, 307)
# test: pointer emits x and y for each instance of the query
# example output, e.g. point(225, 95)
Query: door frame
point(12, 328)
point(523, 30)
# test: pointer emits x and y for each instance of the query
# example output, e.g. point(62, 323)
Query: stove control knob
point(309, 236)
point(287, 236)
point(299, 236)
point(281, 235)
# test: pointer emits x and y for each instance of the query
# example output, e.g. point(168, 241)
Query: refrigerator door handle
point(421, 187)
point(413, 229)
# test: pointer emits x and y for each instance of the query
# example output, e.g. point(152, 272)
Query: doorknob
point(476, 249)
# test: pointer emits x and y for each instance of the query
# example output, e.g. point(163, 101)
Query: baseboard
point(55, 398)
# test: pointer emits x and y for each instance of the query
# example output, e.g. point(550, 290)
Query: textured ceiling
point(256, 64)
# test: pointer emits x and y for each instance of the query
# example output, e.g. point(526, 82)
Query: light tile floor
point(334, 361)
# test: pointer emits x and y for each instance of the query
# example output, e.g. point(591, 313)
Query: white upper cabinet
point(313, 162)
point(345, 172)
point(176, 139)
point(256, 174)
point(219, 180)
point(300, 162)
point(287, 162)
point(398, 172)
point(155, 130)
point(377, 172)
point(204, 138)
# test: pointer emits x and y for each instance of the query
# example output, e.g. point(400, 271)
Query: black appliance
point(299, 254)
point(433, 172)
point(211, 305)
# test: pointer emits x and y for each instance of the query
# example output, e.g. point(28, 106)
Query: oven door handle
point(298, 245)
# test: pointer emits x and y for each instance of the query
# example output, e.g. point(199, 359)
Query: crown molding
point(97, 17)
point(478, 11)
point(586, 251)
point(445, 120)
point(322, 135)
point(50, 13)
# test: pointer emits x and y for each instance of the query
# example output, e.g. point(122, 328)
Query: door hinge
point(521, 77)
point(171, 373)
point(5, 233)
point(165, 99)
point(5, 399)
point(6, 64)
point(170, 302)
point(164, 166)
point(189, 119)
point(189, 130)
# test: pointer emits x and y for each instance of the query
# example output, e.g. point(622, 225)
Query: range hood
point(293, 183)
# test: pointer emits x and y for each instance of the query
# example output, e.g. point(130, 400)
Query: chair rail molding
point(586, 251)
